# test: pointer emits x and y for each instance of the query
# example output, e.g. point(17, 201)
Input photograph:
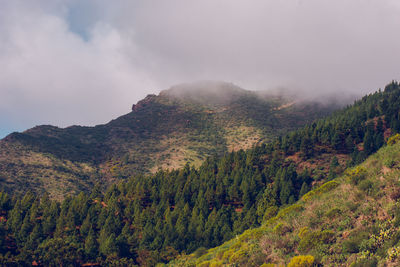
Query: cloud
point(85, 62)
point(50, 74)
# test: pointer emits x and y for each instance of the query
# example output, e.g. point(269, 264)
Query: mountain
point(278, 189)
point(352, 220)
point(186, 123)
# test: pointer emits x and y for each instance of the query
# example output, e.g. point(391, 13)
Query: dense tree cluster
point(149, 219)
point(358, 130)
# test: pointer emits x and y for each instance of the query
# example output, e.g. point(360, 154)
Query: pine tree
point(109, 246)
point(369, 143)
point(304, 189)
point(91, 246)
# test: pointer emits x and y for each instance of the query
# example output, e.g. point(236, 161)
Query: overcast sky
point(65, 62)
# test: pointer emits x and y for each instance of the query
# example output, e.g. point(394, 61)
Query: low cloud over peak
point(84, 62)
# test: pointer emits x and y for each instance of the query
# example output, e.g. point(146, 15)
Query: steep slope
point(353, 220)
point(186, 123)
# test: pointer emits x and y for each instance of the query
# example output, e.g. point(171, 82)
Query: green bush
point(290, 209)
point(326, 187)
point(332, 213)
point(215, 264)
point(352, 206)
point(270, 212)
point(282, 229)
point(367, 186)
point(204, 264)
point(352, 244)
point(227, 254)
point(314, 239)
point(372, 262)
point(303, 232)
point(357, 174)
point(239, 256)
point(389, 162)
point(200, 252)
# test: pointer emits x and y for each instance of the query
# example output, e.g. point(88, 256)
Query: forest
point(150, 219)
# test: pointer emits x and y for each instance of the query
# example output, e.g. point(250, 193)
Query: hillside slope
point(152, 218)
point(186, 123)
point(353, 220)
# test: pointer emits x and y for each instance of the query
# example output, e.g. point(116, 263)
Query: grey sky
point(66, 62)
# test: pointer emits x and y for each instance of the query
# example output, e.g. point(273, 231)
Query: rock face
point(142, 103)
point(186, 123)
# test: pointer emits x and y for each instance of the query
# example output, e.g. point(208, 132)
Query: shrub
point(204, 264)
point(251, 234)
point(314, 239)
point(239, 256)
point(352, 244)
point(368, 262)
point(393, 253)
point(396, 222)
point(333, 213)
point(281, 229)
point(291, 208)
point(228, 254)
point(357, 174)
point(200, 252)
point(270, 212)
point(366, 186)
point(303, 232)
point(215, 264)
point(352, 206)
point(302, 261)
point(326, 187)
point(393, 139)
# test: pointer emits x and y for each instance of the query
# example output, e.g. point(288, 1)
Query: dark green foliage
point(352, 244)
point(304, 189)
point(91, 245)
point(177, 211)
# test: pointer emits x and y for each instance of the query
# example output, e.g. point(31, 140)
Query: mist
point(65, 62)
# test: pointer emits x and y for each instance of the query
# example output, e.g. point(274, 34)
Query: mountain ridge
point(161, 131)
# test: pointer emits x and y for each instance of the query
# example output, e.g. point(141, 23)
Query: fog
point(65, 62)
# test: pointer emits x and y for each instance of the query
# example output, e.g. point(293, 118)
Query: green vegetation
point(342, 226)
point(152, 218)
point(253, 206)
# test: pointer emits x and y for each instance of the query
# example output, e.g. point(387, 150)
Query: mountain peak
point(206, 92)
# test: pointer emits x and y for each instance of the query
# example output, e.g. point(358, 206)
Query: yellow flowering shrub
point(302, 261)
point(393, 253)
point(393, 139)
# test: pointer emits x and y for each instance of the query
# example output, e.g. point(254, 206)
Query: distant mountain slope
point(186, 123)
point(353, 220)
